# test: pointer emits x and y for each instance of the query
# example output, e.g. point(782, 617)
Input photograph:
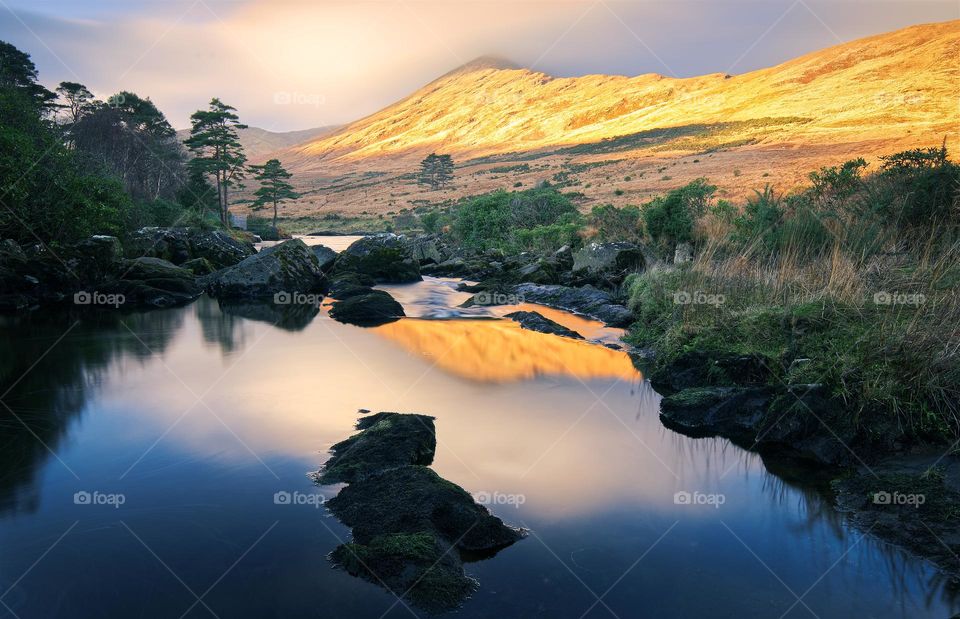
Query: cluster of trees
point(436, 171)
point(72, 165)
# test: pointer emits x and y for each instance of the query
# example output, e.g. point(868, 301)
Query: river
point(143, 454)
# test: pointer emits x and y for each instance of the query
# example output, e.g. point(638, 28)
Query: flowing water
point(142, 456)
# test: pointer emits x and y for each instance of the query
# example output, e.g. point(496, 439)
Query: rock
point(731, 412)
point(563, 258)
point(419, 566)
point(325, 256)
point(537, 322)
point(386, 258)
point(289, 267)
point(367, 309)
point(153, 282)
point(587, 301)
point(428, 249)
point(385, 440)
point(345, 285)
point(539, 271)
point(607, 263)
point(683, 253)
point(411, 498)
point(701, 369)
point(409, 525)
point(199, 266)
point(180, 245)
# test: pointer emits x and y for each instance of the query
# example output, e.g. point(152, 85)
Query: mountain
point(258, 143)
point(882, 86)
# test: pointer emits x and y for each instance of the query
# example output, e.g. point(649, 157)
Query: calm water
point(195, 417)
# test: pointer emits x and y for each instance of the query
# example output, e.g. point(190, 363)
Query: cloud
point(296, 64)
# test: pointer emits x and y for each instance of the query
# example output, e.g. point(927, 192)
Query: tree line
point(73, 165)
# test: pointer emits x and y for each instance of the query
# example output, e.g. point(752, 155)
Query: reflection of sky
point(357, 57)
point(597, 470)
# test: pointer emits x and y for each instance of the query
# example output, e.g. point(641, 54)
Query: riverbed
point(156, 464)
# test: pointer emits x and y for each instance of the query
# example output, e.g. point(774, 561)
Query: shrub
point(669, 219)
point(497, 219)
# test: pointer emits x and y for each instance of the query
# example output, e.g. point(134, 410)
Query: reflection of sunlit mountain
point(500, 351)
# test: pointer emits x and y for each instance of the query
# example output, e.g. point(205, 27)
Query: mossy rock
point(385, 440)
point(411, 498)
point(419, 565)
point(367, 309)
point(384, 257)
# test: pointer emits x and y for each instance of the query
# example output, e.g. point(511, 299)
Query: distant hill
point(258, 143)
point(891, 84)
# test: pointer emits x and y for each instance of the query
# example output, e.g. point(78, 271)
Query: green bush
point(669, 219)
point(504, 219)
point(615, 224)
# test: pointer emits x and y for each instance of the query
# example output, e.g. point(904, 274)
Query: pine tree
point(78, 100)
point(444, 172)
point(274, 188)
point(217, 151)
point(436, 170)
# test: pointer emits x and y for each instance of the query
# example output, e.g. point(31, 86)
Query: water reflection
point(571, 427)
point(500, 351)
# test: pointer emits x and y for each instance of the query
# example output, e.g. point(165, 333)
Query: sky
point(295, 64)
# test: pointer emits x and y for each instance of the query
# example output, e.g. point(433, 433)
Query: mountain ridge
point(489, 106)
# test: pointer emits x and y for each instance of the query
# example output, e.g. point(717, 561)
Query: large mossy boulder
point(180, 245)
point(428, 249)
point(367, 308)
point(387, 258)
point(607, 264)
point(290, 267)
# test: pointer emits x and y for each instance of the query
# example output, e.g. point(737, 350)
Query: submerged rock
point(537, 322)
point(387, 258)
point(587, 301)
point(385, 440)
point(290, 267)
point(409, 525)
point(367, 309)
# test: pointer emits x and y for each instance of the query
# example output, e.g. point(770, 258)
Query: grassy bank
point(851, 283)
